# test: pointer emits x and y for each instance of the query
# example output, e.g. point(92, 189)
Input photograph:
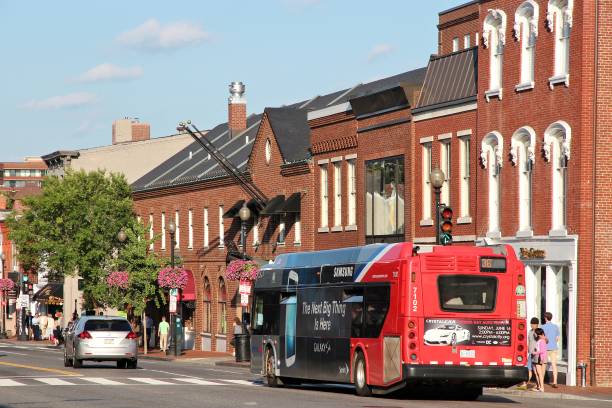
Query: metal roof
point(450, 79)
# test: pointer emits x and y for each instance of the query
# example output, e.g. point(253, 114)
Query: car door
point(69, 338)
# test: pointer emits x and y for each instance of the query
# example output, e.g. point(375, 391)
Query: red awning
point(189, 292)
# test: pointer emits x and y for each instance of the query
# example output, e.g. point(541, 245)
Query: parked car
point(101, 338)
point(447, 334)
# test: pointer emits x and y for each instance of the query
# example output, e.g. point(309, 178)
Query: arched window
point(559, 21)
point(526, 32)
point(491, 159)
point(494, 37)
point(207, 312)
point(557, 142)
point(523, 157)
point(222, 308)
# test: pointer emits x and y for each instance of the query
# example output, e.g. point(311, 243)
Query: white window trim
point(297, 230)
point(494, 36)
point(177, 235)
point(337, 193)
point(560, 20)
point(221, 228)
point(324, 196)
point(455, 44)
point(491, 154)
point(190, 222)
point(522, 154)
point(446, 166)
point(351, 184)
point(465, 176)
point(426, 155)
point(151, 231)
point(559, 134)
point(467, 41)
point(527, 15)
point(163, 230)
point(206, 228)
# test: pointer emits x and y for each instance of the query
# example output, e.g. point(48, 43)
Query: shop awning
point(274, 205)
point(189, 290)
point(233, 211)
point(51, 289)
point(292, 204)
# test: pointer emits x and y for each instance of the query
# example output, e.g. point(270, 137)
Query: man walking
point(552, 336)
point(163, 329)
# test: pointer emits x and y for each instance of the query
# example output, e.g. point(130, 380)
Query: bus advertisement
point(386, 316)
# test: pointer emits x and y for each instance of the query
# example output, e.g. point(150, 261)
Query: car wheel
point(132, 364)
point(76, 363)
point(360, 376)
point(121, 363)
point(271, 379)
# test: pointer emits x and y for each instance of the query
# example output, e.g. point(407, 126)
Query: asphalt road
point(35, 377)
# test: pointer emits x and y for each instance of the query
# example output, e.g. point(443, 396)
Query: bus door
point(466, 313)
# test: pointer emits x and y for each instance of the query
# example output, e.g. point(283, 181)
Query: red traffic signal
point(446, 225)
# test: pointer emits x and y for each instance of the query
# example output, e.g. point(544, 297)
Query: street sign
point(245, 288)
point(23, 301)
point(244, 300)
point(172, 303)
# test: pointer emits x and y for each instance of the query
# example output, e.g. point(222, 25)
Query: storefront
point(49, 300)
point(551, 280)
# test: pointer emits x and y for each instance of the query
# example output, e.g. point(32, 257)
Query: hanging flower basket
point(6, 284)
point(118, 279)
point(173, 278)
point(242, 270)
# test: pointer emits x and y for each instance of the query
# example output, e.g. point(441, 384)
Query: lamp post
point(174, 317)
point(245, 215)
point(3, 331)
point(436, 178)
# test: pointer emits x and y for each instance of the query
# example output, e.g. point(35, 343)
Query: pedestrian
point(36, 327)
point(162, 331)
point(540, 357)
point(42, 322)
point(552, 335)
point(531, 348)
point(149, 328)
point(27, 324)
point(50, 327)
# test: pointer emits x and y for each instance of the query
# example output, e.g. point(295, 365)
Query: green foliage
point(142, 267)
point(73, 226)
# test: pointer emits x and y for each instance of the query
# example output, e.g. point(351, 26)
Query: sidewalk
point(202, 357)
point(30, 343)
point(563, 392)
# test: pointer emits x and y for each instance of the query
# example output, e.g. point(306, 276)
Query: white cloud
point(153, 36)
point(109, 72)
point(72, 100)
point(380, 50)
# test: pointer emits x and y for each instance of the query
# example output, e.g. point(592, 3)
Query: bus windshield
point(467, 293)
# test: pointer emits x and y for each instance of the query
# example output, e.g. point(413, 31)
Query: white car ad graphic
point(447, 335)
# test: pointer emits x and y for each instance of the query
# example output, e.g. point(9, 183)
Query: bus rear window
point(466, 293)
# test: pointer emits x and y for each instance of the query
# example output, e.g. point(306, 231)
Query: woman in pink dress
point(540, 358)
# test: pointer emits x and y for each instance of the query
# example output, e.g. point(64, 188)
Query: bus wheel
point(271, 379)
point(360, 376)
point(470, 393)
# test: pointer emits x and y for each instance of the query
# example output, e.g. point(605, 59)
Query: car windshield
point(107, 325)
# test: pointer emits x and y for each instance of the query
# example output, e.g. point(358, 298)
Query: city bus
point(388, 316)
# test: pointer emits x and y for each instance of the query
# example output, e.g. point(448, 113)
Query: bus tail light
point(521, 326)
point(413, 357)
point(412, 346)
point(411, 335)
point(521, 309)
point(521, 337)
point(520, 347)
point(411, 324)
point(519, 359)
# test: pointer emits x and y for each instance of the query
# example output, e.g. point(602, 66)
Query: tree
point(72, 226)
point(142, 267)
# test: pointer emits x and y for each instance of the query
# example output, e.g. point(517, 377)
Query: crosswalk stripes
point(124, 381)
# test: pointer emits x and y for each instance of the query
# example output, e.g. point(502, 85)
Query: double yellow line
point(35, 368)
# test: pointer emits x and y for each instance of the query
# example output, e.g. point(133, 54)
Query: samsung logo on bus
point(343, 271)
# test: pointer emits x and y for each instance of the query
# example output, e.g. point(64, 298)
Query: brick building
point(514, 108)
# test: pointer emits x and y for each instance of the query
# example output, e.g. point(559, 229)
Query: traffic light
point(446, 225)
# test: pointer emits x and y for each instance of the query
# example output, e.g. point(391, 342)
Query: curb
point(541, 395)
point(230, 363)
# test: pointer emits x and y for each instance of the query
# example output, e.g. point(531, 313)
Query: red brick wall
point(141, 131)
point(457, 23)
point(435, 127)
point(237, 116)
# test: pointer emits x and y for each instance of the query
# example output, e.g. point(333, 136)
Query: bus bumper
point(499, 376)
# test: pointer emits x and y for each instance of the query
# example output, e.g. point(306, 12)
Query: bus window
point(465, 293)
point(353, 298)
point(267, 313)
point(376, 307)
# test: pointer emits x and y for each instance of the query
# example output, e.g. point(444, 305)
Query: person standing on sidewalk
point(531, 349)
point(540, 358)
point(163, 330)
point(552, 335)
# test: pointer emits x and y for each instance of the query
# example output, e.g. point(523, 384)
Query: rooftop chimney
point(236, 109)
point(128, 130)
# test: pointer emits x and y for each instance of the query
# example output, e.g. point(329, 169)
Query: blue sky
point(69, 68)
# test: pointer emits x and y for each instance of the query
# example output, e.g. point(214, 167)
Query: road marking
point(239, 382)
point(151, 381)
point(35, 368)
point(197, 381)
point(13, 352)
point(102, 381)
point(5, 382)
point(53, 381)
point(168, 372)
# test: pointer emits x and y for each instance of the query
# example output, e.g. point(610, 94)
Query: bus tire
point(470, 393)
point(360, 376)
point(271, 379)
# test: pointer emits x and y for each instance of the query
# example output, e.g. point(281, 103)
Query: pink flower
point(118, 279)
point(242, 270)
point(6, 284)
point(173, 278)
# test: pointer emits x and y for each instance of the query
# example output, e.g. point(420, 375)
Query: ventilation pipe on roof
point(236, 109)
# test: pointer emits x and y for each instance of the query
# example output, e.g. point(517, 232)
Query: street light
point(174, 346)
point(245, 215)
point(3, 332)
point(436, 178)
